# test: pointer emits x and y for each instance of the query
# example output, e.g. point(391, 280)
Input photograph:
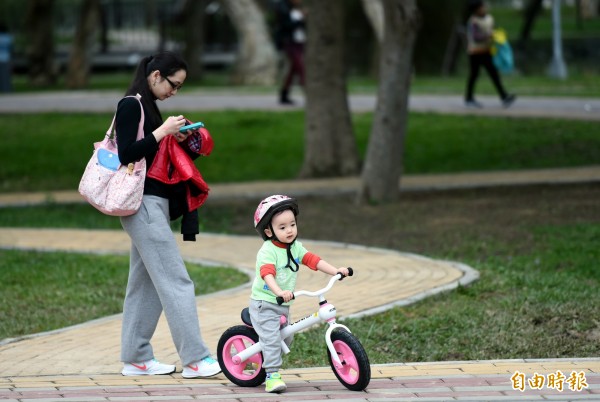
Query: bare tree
point(588, 8)
point(383, 165)
point(330, 146)
point(374, 12)
point(40, 42)
point(256, 59)
point(193, 36)
point(78, 70)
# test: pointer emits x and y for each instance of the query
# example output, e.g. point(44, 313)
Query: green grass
point(58, 215)
point(84, 216)
point(47, 151)
point(512, 20)
point(45, 291)
point(582, 83)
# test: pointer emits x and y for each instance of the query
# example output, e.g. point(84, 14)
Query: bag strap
point(140, 133)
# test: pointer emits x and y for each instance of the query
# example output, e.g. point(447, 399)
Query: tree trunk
point(40, 46)
point(437, 27)
point(383, 165)
point(330, 146)
point(256, 62)
point(374, 12)
point(78, 71)
point(193, 26)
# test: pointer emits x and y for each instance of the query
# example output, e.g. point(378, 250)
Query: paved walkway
point(104, 101)
point(80, 363)
point(444, 381)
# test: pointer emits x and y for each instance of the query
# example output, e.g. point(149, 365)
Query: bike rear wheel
point(355, 372)
point(234, 340)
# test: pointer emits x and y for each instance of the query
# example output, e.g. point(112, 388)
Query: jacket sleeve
point(126, 123)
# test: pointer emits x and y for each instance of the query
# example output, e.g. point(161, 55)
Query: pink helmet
point(269, 207)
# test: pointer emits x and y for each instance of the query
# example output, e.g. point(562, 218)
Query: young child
point(277, 264)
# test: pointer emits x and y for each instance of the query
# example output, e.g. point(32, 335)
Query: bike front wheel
point(355, 371)
point(249, 373)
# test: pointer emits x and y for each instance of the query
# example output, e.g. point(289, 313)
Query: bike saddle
point(246, 317)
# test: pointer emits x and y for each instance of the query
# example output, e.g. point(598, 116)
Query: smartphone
point(192, 127)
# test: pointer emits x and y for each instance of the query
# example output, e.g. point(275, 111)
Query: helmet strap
point(291, 258)
point(288, 249)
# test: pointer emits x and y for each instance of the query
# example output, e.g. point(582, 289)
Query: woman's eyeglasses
point(175, 87)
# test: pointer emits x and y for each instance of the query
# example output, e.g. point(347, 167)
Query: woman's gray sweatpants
point(265, 319)
point(158, 280)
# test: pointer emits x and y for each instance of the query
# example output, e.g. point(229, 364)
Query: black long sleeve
point(130, 150)
point(127, 122)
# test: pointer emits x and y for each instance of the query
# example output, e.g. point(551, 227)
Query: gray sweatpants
point(158, 280)
point(265, 318)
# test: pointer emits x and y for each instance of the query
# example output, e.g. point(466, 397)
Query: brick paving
point(457, 381)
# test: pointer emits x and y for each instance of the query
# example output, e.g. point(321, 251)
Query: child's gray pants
point(158, 280)
point(265, 318)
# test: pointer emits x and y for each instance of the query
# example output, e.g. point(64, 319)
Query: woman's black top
point(131, 150)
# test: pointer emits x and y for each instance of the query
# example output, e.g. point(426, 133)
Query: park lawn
point(541, 304)
point(42, 291)
point(49, 151)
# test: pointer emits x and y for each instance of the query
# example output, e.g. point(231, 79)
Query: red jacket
point(173, 165)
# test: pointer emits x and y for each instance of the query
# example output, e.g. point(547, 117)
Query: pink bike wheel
point(249, 373)
point(355, 371)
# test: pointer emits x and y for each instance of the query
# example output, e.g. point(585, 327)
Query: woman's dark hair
point(167, 63)
point(474, 5)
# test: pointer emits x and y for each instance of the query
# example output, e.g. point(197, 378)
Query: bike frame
point(326, 313)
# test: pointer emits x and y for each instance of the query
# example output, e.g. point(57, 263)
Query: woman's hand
point(180, 137)
point(171, 126)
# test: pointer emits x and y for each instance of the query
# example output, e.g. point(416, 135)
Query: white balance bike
point(240, 352)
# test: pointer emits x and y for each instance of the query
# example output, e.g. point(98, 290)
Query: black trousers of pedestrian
point(476, 61)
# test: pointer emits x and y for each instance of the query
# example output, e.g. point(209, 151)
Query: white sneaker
point(150, 367)
point(206, 367)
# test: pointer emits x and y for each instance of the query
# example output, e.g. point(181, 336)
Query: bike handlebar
point(334, 278)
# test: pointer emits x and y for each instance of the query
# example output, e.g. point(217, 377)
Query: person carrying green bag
point(480, 42)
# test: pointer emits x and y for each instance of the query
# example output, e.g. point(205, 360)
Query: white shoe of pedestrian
point(206, 367)
point(150, 367)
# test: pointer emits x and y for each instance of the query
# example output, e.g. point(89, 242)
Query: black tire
point(251, 372)
point(355, 373)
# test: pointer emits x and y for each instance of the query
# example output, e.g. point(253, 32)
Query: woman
point(158, 279)
point(480, 28)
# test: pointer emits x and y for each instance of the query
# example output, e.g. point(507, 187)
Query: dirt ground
point(429, 223)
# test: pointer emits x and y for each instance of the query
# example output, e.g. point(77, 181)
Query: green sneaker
point(275, 383)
